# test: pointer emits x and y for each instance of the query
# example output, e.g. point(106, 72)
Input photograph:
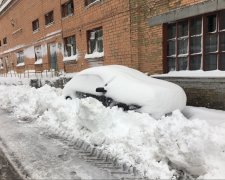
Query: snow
point(4, 5)
point(195, 73)
point(20, 64)
point(29, 52)
point(39, 61)
point(53, 33)
point(129, 86)
point(155, 147)
point(94, 2)
point(71, 58)
point(94, 55)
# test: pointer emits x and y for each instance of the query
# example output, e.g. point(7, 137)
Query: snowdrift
point(156, 147)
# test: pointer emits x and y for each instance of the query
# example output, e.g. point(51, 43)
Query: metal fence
point(28, 71)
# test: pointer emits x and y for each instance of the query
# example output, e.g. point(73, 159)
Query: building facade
point(68, 35)
point(153, 36)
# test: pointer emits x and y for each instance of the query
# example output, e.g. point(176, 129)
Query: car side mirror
point(101, 89)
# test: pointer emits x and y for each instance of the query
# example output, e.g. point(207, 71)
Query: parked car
point(117, 85)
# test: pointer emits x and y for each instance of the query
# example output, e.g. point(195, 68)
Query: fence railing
point(29, 71)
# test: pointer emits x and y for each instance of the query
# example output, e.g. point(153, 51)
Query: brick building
point(154, 36)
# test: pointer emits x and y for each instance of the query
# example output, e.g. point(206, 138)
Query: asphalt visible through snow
point(37, 155)
point(7, 171)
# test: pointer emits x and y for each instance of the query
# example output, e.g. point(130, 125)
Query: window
point(70, 46)
point(38, 53)
point(95, 41)
point(5, 40)
point(35, 25)
point(87, 2)
point(49, 18)
point(192, 47)
point(1, 64)
point(67, 8)
point(20, 57)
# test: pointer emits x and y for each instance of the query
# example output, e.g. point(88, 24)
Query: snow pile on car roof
point(129, 86)
point(155, 147)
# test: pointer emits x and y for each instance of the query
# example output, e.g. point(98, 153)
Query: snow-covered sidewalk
point(157, 148)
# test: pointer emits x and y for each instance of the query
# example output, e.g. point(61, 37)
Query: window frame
point(19, 57)
point(51, 18)
point(4, 41)
point(89, 50)
point(66, 39)
point(1, 63)
point(35, 53)
point(64, 10)
point(34, 25)
point(204, 34)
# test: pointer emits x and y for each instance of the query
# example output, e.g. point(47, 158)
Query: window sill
point(38, 62)
point(70, 58)
point(94, 55)
point(92, 4)
point(36, 31)
point(20, 64)
point(50, 24)
point(69, 15)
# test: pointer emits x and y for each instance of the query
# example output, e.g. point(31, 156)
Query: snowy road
point(39, 156)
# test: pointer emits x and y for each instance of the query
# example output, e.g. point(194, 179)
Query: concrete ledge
point(202, 91)
point(189, 11)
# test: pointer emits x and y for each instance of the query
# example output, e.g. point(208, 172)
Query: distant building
point(153, 36)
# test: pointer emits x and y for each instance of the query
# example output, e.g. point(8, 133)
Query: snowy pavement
point(39, 156)
point(193, 142)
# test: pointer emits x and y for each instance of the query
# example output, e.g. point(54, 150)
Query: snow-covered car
point(117, 85)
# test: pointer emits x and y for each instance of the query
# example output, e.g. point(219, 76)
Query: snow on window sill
point(94, 55)
point(67, 16)
point(20, 64)
point(35, 31)
point(70, 58)
point(39, 61)
point(49, 24)
point(91, 4)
